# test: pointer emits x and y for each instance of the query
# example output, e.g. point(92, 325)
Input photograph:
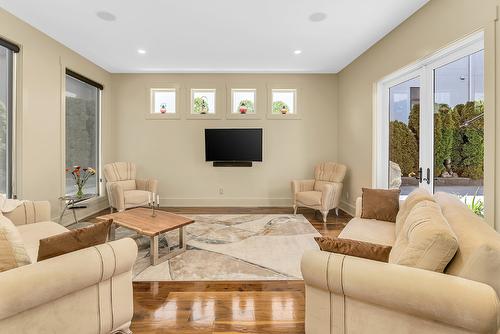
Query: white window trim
point(424, 68)
point(150, 102)
point(219, 103)
point(260, 99)
point(289, 116)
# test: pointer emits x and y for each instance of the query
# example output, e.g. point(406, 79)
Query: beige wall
point(434, 26)
point(40, 113)
point(173, 150)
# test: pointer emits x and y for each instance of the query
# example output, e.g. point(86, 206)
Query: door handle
point(428, 178)
point(419, 177)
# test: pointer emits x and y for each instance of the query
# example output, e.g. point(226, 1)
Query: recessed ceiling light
point(317, 17)
point(297, 52)
point(106, 16)
point(141, 51)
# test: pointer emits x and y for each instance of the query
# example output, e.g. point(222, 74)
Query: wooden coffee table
point(142, 221)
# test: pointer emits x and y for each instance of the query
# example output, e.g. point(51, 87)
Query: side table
point(70, 202)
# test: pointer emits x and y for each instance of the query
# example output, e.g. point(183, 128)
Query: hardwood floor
point(227, 307)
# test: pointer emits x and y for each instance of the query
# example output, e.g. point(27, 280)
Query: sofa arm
point(302, 185)
point(40, 283)
point(426, 294)
point(359, 207)
point(147, 185)
point(30, 212)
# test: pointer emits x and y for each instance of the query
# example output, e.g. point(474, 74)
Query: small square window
point(163, 101)
point(283, 101)
point(203, 101)
point(243, 101)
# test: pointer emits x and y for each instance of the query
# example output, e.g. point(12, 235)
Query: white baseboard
point(348, 207)
point(93, 207)
point(226, 201)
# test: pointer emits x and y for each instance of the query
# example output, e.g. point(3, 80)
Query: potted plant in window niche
point(245, 106)
point(280, 107)
point(201, 105)
point(163, 108)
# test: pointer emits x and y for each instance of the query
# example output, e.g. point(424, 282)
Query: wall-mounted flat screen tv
point(241, 144)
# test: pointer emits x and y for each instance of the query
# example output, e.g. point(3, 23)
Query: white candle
point(149, 198)
point(158, 200)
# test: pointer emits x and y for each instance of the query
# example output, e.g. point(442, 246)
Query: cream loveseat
point(86, 291)
point(346, 294)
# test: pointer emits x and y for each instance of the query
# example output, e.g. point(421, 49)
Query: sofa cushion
point(426, 241)
point(13, 250)
point(309, 197)
point(478, 255)
point(74, 240)
point(416, 196)
point(136, 197)
point(32, 233)
point(366, 250)
point(369, 230)
point(380, 204)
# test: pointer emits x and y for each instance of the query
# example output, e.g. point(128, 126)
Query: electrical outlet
point(221, 191)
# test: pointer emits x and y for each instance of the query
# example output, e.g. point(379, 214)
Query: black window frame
point(12, 49)
point(100, 88)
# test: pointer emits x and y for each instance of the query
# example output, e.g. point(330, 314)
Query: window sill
point(151, 116)
point(283, 117)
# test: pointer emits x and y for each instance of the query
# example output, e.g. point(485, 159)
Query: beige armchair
point(321, 193)
point(124, 190)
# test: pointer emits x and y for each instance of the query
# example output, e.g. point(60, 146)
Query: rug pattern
point(230, 247)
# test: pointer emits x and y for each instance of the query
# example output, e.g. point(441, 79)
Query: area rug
point(230, 247)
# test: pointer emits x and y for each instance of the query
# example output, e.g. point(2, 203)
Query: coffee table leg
point(112, 232)
point(153, 244)
point(181, 238)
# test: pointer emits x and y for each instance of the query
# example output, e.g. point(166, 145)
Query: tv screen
point(233, 144)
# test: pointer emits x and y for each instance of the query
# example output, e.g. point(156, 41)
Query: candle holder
point(154, 203)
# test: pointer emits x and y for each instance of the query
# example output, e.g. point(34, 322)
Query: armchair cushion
point(32, 233)
point(380, 204)
point(13, 251)
point(312, 198)
point(426, 240)
point(73, 240)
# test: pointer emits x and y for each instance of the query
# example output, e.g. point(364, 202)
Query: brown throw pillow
point(356, 248)
point(74, 240)
point(380, 204)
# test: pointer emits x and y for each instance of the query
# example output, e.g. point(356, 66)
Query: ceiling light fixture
point(106, 16)
point(317, 17)
point(297, 52)
point(141, 51)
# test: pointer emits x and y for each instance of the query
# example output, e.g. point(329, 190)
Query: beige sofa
point(87, 291)
point(346, 294)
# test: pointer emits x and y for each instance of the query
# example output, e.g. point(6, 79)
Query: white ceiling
point(216, 35)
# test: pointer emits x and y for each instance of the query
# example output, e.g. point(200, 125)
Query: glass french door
point(434, 126)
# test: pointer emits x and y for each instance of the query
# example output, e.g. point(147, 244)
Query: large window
point(430, 124)
point(7, 51)
point(82, 129)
